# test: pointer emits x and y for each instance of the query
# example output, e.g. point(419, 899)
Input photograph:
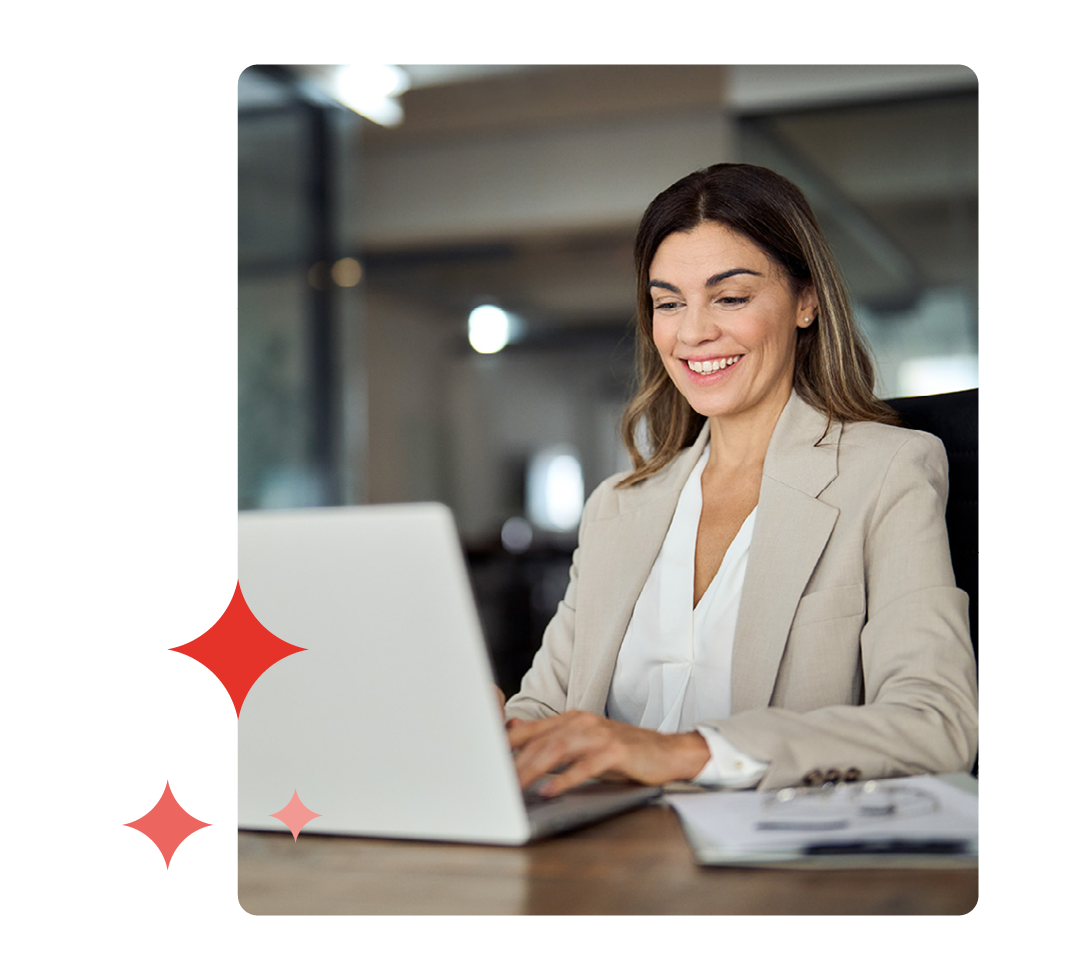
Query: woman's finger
point(541, 746)
point(590, 766)
point(521, 731)
point(541, 754)
point(586, 741)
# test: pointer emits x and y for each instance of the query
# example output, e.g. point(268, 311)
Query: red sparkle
point(294, 815)
point(168, 824)
point(238, 649)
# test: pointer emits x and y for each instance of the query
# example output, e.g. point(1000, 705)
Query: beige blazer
point(852, 647)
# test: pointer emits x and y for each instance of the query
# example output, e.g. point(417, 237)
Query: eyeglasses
point(835, 807)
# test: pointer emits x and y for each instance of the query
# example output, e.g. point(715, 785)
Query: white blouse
point(674, 666)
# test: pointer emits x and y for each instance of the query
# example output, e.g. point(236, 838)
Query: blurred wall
point(522, 190)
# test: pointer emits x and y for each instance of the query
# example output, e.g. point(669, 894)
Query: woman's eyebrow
point(720, 276)
point(711, 281)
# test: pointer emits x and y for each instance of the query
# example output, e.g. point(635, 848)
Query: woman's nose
point(698, 325)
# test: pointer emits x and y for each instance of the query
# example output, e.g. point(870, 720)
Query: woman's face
point(725, 321)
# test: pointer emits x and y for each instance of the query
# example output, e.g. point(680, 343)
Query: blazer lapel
point(621, 549)
point(790, 533)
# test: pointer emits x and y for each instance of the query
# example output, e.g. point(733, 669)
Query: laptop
point(387, 724)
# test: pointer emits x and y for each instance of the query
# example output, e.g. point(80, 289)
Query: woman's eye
point(667, 305)
point(733, 300)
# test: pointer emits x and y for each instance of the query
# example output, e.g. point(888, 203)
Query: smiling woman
point(767, 598)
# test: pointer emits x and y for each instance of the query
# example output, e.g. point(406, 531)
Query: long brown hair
point(833, 369)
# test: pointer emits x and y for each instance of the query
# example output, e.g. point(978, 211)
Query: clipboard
point(749, 829)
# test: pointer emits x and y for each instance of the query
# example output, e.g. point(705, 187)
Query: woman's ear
point(808, 307)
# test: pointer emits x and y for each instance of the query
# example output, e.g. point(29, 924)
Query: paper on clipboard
point(935, 822)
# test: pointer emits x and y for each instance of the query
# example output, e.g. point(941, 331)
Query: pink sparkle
point(168, 824)
point(295, 815)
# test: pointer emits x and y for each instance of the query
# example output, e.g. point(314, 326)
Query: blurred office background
point(507, 197)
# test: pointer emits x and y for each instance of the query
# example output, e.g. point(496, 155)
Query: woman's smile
point(706, 371)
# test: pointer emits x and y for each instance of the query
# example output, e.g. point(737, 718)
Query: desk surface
point(635, 864)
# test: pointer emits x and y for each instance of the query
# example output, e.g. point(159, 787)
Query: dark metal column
point(323, 375)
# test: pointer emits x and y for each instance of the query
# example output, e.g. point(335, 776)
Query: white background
point(118, 380)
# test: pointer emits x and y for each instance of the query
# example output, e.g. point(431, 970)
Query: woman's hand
point(590, 746)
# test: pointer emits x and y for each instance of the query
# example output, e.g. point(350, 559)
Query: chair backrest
point(954, 419)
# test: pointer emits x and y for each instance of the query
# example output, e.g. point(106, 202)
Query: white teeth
point(711, 367)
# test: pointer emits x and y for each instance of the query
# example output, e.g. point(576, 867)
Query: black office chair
point(954, 419)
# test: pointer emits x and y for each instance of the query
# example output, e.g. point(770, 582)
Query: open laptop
point(387, 724)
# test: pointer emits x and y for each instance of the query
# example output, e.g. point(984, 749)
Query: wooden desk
point(635, 864)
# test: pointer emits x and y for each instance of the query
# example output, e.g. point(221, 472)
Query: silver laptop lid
point(386, 724)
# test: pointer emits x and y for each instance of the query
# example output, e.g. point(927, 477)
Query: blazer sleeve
point(918, 669)
point(544, 686)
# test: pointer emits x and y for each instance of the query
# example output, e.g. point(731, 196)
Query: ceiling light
point(489, 329)
point(371, 91)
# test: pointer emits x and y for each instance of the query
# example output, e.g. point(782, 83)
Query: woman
point(767, 599)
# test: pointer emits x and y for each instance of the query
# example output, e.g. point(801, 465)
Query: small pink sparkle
point(295, 815)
